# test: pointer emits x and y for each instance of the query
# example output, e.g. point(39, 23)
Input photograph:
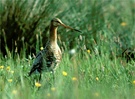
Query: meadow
point(96, 68)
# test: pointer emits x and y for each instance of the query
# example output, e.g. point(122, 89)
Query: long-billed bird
point(49, 58)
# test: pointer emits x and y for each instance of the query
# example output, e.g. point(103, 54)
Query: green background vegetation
point(108, 28)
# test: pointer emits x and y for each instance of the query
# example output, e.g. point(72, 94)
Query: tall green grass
point(107, 29)
point(87, 77)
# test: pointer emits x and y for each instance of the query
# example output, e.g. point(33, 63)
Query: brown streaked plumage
point(49, 58)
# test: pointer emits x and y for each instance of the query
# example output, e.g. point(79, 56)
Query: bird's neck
point(53, 34)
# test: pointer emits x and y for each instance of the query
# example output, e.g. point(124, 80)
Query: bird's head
point(57, 22)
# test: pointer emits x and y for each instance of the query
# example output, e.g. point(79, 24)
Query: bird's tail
point(29, 74)
point(31, 71)
point(35, 68)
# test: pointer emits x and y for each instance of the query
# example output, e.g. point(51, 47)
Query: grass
point(96, 70)
point(96, 77)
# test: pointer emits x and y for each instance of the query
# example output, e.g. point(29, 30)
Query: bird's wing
point(37, 65)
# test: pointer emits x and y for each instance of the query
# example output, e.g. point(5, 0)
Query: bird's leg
point(53, 74)
point(40, 76)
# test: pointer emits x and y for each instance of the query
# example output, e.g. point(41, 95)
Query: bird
point(129, 54)
point(49, 58)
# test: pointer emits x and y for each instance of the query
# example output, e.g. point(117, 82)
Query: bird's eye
point(57, 21)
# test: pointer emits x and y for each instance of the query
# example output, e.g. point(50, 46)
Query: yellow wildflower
point(64, 73)
point(8, 68)
point(1, 67)
point(14, 92)
point(53, 89)
point(37, 84)
point(123, 24)
point(88, 51)
point(74, 79)
point(97, 78)
point(96, 94)
point(12, 71)
point(41, 48)
point(10, 80)
point(48, 94)
point(134, 82)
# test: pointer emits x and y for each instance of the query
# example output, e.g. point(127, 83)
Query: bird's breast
point(56, 52)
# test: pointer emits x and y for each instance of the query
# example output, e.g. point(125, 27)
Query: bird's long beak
point(62, 24)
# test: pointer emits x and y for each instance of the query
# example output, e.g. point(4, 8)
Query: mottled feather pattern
point(47, 59)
